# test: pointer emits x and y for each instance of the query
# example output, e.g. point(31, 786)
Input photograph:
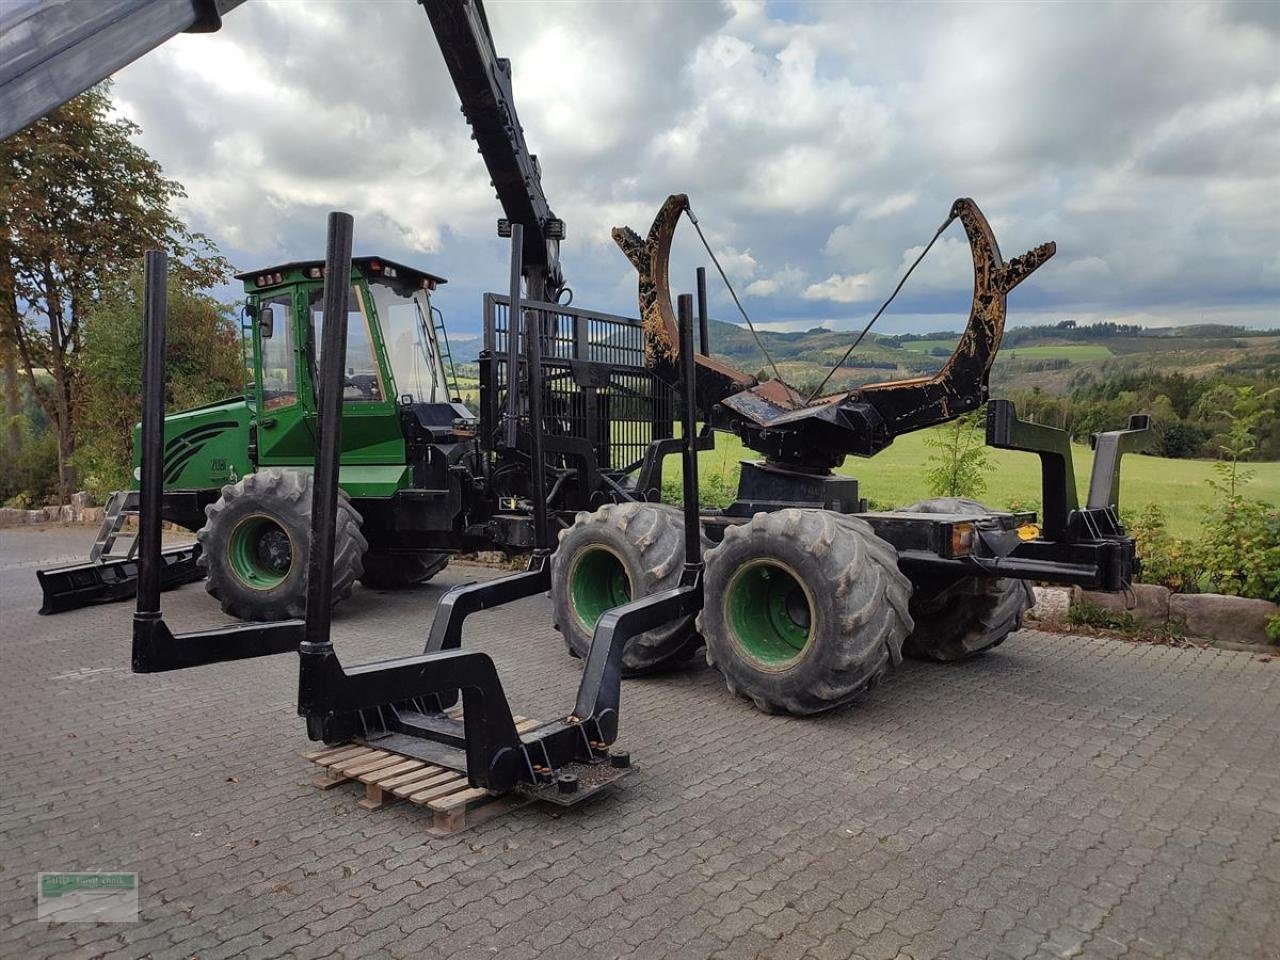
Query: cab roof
point(375, 267)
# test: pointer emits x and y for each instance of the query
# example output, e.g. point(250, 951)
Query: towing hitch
point(403, 704)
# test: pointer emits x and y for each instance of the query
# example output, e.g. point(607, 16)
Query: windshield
point(410, 342)
point(362, 381)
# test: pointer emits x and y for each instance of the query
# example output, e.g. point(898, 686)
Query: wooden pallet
point(389, 777)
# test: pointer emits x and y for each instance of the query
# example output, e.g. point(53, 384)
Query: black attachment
point(533, 333)
point(466, 599)
point(79, 585)
point(154, 315)
point(155, 647)
point(704, 333)
point(1108, 448)
point(398, 704)
point(1057, 478)
point(1084, 546)
point(515, 314)
point(324, 506)
point(688, 377)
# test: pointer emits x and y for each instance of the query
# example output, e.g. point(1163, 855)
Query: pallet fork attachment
point(399, 704)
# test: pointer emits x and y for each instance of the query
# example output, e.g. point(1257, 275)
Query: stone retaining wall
point(77, 511)
point(1208, 616)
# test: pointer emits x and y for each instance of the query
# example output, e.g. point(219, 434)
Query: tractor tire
point(256, 540)
point(805, 610)
point(961, 618)
point(621, 552)
point(395, 571)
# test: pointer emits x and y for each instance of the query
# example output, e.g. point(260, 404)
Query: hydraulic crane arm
point(483, 82)
point(53, 50)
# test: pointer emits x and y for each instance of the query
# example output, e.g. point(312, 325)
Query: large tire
point(256, 540)
point(961, 618)
point(804, 610)
point(621, 552)
point(394, 571)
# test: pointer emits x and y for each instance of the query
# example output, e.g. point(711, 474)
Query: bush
point(30, 474)
point(1166, 560)
point(1241, 549)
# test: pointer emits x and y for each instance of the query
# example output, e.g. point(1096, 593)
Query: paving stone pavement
point(1059, 797)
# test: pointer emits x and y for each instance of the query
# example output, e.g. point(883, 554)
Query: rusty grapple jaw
point(786, 426)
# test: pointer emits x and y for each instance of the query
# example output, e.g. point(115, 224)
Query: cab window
point(279, 376)
point(363, 379)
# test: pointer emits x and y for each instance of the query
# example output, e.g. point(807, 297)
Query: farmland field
point(896, 477)
point(1053, 351)
point(1058, 351)
point(924, 346)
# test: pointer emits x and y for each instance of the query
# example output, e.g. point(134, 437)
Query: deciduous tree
point(79, 203)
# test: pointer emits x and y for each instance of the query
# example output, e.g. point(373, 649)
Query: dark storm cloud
point(820, 144)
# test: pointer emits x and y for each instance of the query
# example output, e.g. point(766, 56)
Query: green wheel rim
point(260, 552)
point(597, 582)
point(769, 612)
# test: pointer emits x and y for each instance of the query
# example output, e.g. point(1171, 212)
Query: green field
point(896, 477)
point(1076, 352)
point(924, 346)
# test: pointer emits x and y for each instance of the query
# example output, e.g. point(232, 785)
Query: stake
point(151, 479)
point(537, 478)
point(513, 336)
point(692, 524)
point(704, 334)
point(333, 354)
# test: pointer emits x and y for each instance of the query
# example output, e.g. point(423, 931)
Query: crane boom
point(483, 82)
point(54, 50)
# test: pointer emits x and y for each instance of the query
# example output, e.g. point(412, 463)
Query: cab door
point(371, 431)
point(284, 437)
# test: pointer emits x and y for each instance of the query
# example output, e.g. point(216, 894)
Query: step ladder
point(445, 352)
point(120, 506)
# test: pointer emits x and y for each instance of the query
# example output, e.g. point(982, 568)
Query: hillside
point(1051, 358)
point(1054, 360)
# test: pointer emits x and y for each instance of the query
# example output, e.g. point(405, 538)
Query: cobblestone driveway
point(1059, 797)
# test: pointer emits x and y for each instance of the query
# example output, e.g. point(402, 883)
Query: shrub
point(30, 474)
point(1168, 561)
point(1240, 549)
point(959, 467)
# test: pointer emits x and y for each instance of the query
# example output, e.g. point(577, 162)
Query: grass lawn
point(896, 476)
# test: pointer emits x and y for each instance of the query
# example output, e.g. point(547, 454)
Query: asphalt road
point(1058, 797)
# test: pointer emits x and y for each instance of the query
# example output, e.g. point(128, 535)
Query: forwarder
point(809, 598)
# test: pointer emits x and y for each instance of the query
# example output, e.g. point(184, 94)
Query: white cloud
point(831, 138)
point(854, 288)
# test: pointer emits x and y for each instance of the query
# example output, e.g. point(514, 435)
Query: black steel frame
point(1086, 545)
point(401, 702)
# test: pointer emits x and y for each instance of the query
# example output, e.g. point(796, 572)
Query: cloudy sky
point(821, 145)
